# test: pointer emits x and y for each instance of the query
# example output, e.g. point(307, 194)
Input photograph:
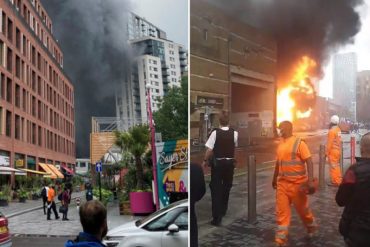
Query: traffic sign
point(98, 167)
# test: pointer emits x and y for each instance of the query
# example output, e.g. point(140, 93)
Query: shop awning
point(36, 172)
point(70, 171)
point(56, 171)
point(4, 170)
point(47, 169)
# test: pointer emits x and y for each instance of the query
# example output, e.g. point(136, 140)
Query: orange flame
point(286, 104)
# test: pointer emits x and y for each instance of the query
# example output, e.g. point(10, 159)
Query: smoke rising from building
point(308, 27)
point(93, 37)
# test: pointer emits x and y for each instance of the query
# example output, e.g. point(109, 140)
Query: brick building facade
point(233, 68)
point(36, 96)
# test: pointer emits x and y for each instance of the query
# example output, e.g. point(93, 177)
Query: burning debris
point(297, 98)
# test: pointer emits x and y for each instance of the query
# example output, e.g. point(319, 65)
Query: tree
point(172, 117)
point(135, 141)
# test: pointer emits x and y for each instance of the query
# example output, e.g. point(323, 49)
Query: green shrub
point(106, 195)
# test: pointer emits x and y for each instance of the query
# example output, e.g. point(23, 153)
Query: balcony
point(182, 50)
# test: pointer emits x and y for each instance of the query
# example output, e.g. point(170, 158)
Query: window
point(9, 60)
point(17, 38)
point(9, 86)
point(162, 223)
point(172, 66)
point(154, 62)
point(17, 96)
point(8, 122)
point(10, 30)
point(17, 127)
point(17, 67)
point(24, 100)
point(2, 86)
point(3, 23)
point(182, 221)
point(2, 53)
point(156, 76)
point(155, 69)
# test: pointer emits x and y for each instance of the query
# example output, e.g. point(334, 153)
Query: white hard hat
point(334, 119)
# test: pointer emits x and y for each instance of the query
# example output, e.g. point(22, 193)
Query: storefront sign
point(19, 163)
point(172, 169)
point(210, 101)
point(4, 160)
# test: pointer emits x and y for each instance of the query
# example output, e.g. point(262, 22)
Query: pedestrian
point(93, 217)
point(66, 200)
point(197, 191)
point(291, 178)
point(89, 192)
point(221, 145)
point(51, 203)
point(44, 196)
point(333, 151)
point(353, 195)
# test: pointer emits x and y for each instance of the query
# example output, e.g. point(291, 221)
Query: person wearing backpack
point(44, 196)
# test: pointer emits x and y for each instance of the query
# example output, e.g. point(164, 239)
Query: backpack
point(43, 193)
point(60, 196)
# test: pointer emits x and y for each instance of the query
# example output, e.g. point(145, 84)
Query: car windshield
point(155, 214)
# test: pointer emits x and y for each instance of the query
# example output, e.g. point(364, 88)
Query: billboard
point(172, 169)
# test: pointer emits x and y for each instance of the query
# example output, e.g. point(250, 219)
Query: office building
point(36, 96)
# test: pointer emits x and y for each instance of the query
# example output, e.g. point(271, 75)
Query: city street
point(28, 224)
point(235, 230)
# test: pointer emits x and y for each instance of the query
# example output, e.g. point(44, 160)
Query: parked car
point(167, 227)
point(5, 240)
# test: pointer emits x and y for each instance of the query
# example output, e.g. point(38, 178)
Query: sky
point(169, 15)
point(361, 47)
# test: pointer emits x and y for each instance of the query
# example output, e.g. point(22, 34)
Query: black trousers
point(193, 227)
point(222, 173)
point(52, 206)
point(44, 203)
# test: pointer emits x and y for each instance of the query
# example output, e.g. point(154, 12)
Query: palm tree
point(135, 141)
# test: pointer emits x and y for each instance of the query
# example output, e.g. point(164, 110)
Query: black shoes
point(216, 222)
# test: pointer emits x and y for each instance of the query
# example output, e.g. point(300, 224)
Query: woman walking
point(66, 199)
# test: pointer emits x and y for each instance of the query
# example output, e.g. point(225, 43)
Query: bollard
point(322, 160)
point(353, 150)
point(252, 190)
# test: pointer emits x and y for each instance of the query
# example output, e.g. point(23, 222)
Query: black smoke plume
point(93, 38)
point(305, 27)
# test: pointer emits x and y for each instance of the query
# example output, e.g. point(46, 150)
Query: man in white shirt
point(221, 145)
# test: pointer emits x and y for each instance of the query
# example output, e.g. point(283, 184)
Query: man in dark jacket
point(353, 194)
point(93, 217)
point(197, 191)
point(221, 144)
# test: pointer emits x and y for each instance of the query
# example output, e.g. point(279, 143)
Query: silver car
point(167, 227)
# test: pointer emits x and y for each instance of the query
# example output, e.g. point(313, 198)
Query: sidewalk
point(17, 208)
point(236, 231)
point(28, 219)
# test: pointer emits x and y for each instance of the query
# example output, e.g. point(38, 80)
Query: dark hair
point(93, 214)
point(224, 118)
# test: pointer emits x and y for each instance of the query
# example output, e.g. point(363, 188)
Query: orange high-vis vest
point(334, 140)
point(291, 155)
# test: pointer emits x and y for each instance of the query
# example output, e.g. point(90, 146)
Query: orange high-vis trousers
point(288, 193)
point(335, 172)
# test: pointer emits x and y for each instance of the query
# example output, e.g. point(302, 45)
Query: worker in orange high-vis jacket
point(333, 151)
point(290, 177)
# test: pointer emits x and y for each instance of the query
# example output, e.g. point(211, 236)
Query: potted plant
point(35, 194)
point(22, 195)
point(3, 199)
point(136, 141)
point(124, 204)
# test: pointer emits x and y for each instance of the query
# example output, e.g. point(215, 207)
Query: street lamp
point(152, 132)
